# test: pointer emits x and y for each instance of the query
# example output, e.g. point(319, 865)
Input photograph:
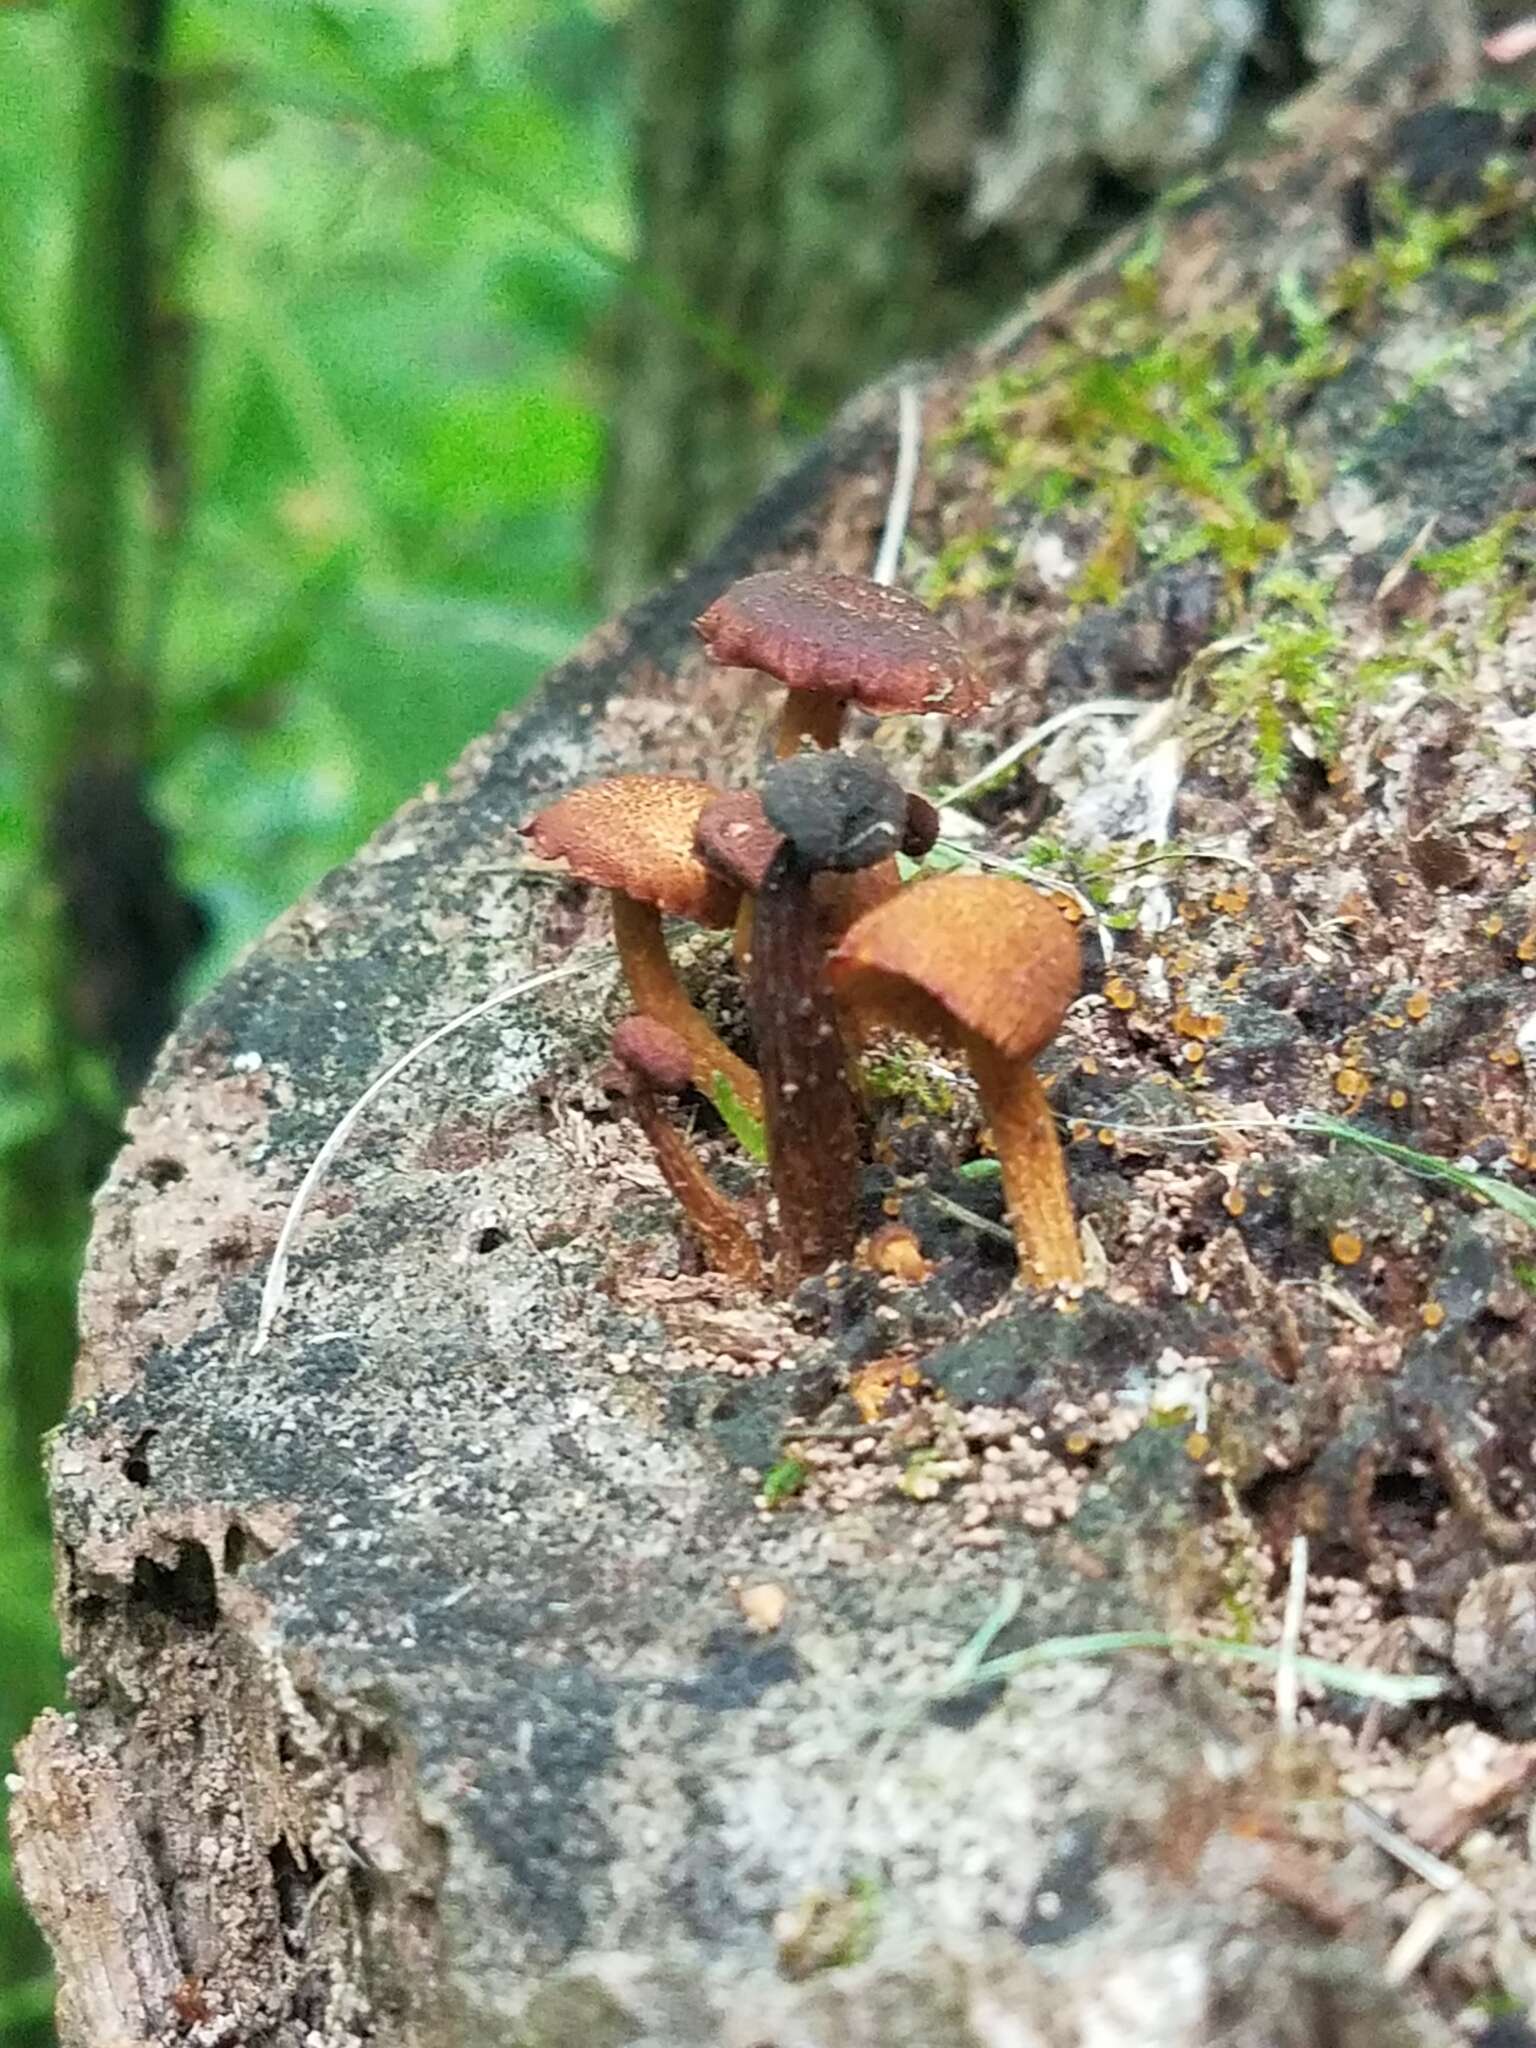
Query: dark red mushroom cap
point(879, 648)
point(654, 1054)
point(634, 833)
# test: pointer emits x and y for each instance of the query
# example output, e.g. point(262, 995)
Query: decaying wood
point(445, 1673)
point(91, 1881)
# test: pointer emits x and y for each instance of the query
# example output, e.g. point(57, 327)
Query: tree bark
point(837, 189)
point(448, 1668)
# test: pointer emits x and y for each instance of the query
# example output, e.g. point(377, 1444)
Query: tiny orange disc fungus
point(633, 835)
point(984, 963)
point(837, 640)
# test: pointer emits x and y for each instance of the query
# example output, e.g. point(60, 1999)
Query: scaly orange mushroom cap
point(633, 835)
point(656, 1061)
point(985, 963)
point(835, 640)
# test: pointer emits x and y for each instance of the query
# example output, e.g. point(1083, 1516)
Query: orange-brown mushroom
point(656, 1061)
point(842, 899)
point(837, 640)
point(633, 835)
point(986, 964)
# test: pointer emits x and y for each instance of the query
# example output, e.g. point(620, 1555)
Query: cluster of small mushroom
point(832, 945)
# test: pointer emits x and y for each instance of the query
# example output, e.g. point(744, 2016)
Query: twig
point(968, 1216)
point(1346, 1678)
point(1339, 1299)
point(909, 448)
point(1213, 854)
point(275, 1285)
point(1433, 1920)
point(1468, 1490)
point(1443, 1876)
point(834, 1433)
point(1287, 1690)
point(1398, 572)
point(1002, 765)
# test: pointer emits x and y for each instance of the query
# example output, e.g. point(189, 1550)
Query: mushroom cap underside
point(958, 953)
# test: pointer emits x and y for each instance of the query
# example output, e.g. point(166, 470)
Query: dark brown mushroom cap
point(985, 951)
point(880, 648)
point(839, 812)
point(654, 1054)
point(634, 833)
point(923, 827)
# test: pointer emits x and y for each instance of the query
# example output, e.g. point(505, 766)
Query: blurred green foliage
point(397, 226)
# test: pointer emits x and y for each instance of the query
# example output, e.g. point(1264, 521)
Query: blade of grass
point(973, 1654)
point(1395, 1688)
point(1514, 1201)
point(743, 1126)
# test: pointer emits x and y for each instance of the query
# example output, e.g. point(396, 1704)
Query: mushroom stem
point(840, 901)
point(808, 715)
point(658, 993)
point(715, 1220)
point(813, 1132)
point(1034, 1172)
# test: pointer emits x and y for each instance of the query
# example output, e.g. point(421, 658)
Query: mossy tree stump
point(447, 1670)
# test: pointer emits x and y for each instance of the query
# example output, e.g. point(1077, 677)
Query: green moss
point(1416, 240)
point(1297, 670)
point(830, 1930)
point(1178, 439)
point(917, 1482)
point(1175, 440)
point(895, 1075)
point(1178, 435)
point(968, 566)
point(1289, 672)
point(1482, 558)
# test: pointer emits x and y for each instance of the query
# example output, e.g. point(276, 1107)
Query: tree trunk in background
point(779, 192)
point(102, 925)
point(838, 188)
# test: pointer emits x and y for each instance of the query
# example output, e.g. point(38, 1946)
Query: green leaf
point(25, 2005)
point(743, 1126)
point(783, 1481)
point(508, 450)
